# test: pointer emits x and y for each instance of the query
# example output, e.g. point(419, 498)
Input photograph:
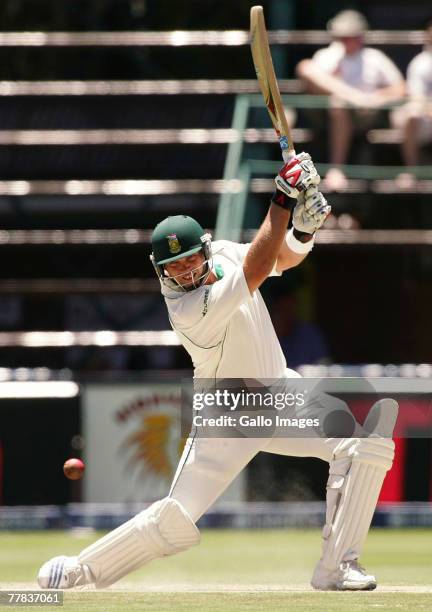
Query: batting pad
point(163, 529)
point(355, 480)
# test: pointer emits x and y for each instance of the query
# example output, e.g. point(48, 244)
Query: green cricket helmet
point(177, 237)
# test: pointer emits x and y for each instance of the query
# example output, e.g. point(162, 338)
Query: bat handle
point(288, 152)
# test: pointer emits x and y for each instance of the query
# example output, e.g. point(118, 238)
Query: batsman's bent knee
point(163, 529)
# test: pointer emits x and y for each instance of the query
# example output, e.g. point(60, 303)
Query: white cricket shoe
point(64, 573)
point(350, 576)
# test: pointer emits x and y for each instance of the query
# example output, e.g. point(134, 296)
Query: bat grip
point(288, 151)
point(287, 154)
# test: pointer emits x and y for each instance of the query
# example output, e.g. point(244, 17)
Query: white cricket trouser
point(208, 465)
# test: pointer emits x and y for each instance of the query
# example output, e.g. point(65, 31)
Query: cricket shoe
point(350, 576)
point(64, 573)
point(382, 417)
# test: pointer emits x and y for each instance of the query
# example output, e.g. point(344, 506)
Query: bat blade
point(267, 80)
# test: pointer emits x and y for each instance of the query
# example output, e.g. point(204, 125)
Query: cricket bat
point(267, 81)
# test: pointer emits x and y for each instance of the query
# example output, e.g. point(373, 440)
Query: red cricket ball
point(73, 469)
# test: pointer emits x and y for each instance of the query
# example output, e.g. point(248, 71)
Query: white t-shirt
point(419, 75)
point(368, 69)
point(227, 331)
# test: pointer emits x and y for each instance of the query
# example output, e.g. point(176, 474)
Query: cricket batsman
point(211, 290)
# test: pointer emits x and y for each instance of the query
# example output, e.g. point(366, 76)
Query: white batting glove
point(310, 211)
point(297, 175)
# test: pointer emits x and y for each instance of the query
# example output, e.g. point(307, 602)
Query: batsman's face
point(187, 270)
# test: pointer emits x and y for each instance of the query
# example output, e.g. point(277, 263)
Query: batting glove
point(310, 211)
point(297, 175)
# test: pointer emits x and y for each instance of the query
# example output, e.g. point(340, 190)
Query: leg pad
point(163, 529)
point(355, 480)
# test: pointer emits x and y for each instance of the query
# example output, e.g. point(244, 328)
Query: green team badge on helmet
point(173, 244)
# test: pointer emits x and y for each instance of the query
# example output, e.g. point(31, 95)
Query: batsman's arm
point(309, 215)
point(288, 258)
point(296, 194)
point(299, 180)
point(265, 247)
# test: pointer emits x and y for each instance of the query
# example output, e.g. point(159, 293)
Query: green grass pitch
point(237, 570)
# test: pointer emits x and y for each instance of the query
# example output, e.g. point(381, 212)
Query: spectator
point(415, 117)
point(354, 75)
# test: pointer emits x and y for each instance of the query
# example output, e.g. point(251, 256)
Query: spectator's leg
point(408, 121)
point(340, 132)
point(410, 143)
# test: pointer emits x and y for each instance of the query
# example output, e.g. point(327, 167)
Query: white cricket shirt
point(368, 69)
point(419, 75)
point(227, 331)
